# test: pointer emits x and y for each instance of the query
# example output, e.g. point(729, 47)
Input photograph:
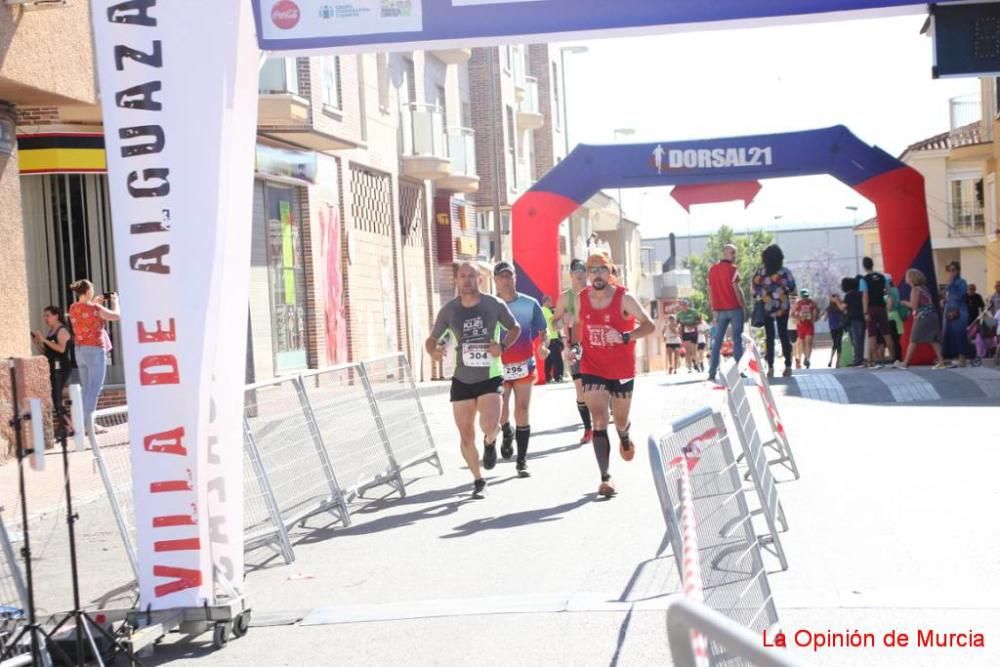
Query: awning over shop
point(61, 153)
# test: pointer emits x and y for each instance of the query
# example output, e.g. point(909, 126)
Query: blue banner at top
point(372, 25)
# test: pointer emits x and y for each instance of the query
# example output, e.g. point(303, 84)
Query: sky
point(872, 75)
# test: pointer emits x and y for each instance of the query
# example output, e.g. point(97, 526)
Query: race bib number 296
point(518, 371)
point(476, 355)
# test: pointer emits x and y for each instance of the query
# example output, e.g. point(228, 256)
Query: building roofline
point(823, 228)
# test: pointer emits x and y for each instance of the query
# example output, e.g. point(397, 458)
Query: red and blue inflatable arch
point(896, 190)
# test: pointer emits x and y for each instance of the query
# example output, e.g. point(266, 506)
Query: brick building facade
point(384, 167)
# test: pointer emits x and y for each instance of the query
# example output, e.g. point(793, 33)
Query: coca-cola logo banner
point(285, 14)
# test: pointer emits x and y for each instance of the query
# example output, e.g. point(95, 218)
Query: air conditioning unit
point(37, 4)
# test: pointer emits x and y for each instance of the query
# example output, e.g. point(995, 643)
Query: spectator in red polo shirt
point(726, 299)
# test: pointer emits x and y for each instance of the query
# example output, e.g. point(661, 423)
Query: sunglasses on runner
point(599, 269)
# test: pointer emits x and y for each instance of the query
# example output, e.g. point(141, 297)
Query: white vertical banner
point(177, 88)
point(224, 453)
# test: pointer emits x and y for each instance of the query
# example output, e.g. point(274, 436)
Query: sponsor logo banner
point(360, 25)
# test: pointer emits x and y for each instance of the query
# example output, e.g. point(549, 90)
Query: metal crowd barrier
point(756, 458)
point(779, 443)
point(740, 646)
point(391, 382)
point(281, 431)
point(311, 443)
point(114, 464)
point(13, 595)
point(734, 581)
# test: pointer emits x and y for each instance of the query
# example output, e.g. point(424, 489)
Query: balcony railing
point(530, 102)
point(462, 151)
point(967, 219)
point(965, 109)
point(423, 131)
point(278, 76)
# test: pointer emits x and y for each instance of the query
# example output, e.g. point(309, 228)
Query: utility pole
point(623, 132)
point(498, 118)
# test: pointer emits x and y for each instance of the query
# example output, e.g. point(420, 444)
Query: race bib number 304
point(476, 355)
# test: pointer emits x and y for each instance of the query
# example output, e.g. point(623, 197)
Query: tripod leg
point(85, 621)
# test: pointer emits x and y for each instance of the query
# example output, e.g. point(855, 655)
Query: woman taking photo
point(925, 322)
point(773, 286)
point(88, 316)
point(956, 316)
point(56, 346)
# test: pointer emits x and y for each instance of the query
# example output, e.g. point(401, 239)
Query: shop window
point(286, 277)
point(331, 83)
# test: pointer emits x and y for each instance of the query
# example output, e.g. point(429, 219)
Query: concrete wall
point(46, 59)
point(32, 382)
point(14, 339)
point(46, 56)
point(489, 126)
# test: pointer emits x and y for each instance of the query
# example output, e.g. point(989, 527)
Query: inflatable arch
point(896, 190)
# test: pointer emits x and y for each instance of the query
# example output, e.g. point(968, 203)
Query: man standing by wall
point(726, 302)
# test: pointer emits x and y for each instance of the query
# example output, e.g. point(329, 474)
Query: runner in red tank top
point(607, 334)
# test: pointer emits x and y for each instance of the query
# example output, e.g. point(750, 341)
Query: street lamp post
point(572, 50)
point(857, 253)
point(622, 132)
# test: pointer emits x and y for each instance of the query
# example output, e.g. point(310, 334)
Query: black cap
point(577, 265)
point(501, 267)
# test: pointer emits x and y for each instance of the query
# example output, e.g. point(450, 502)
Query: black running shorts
point(462, 391)
point(617, 388)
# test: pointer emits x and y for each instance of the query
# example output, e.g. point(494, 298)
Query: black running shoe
point(507, 446)
point(479, 488)
point(489, 456)
point(522, 469)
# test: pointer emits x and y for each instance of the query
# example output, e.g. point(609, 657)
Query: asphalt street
point(891, 528)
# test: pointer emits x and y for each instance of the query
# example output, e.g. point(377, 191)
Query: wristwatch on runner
point(626, 337)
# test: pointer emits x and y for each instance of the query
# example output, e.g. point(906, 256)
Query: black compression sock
point(584, 414)
point(602, 450)
point(505, 427)
point(522, 435)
